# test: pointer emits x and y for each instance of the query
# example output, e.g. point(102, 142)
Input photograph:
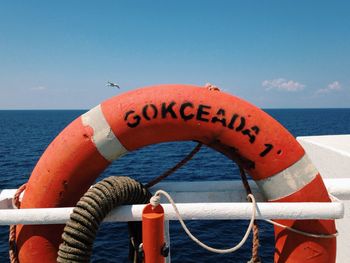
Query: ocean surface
point(24, 135)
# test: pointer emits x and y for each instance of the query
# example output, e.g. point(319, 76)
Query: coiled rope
point(81, 229)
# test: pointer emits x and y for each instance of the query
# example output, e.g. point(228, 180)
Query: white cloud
point(332, 87)
point(282, 84)
point(39, 88)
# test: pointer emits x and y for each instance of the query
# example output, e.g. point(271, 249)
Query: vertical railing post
point(167, 239)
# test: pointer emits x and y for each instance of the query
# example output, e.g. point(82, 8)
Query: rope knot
point(155, 200)
point(250, 197)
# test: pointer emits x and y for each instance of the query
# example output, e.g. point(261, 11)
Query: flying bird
point(112, 84)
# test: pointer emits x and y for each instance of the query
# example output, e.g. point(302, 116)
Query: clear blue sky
point(289, 54)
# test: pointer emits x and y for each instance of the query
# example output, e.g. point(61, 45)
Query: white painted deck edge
point(331, 156)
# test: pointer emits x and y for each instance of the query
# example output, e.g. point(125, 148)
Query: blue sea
point(24, 135)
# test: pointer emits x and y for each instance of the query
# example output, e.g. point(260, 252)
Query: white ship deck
point(331, 156)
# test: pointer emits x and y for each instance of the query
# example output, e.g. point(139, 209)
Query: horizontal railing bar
point(210, 191)
point(189, 211)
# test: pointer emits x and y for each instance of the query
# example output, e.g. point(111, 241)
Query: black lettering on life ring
point(251, 136)
point(201, 111)
point(168, 109)
point(232, 121)
point(256, 129)
point(248, 133)
point(187, 111)
point(220, 117)
point(145, 111)
point(241, 125)
point(268, 148)
point(136, 118)
point(183, 115)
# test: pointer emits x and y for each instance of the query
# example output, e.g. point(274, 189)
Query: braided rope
point(81, 229)
point(12, 233)
point(255, 246)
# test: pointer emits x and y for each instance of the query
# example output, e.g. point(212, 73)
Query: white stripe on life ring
point(289, 181)
point(104, 139)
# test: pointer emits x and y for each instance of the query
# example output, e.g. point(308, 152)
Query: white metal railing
point(196, 201)
point(192, 211)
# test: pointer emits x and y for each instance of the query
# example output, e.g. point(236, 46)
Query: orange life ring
point(129, 121)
